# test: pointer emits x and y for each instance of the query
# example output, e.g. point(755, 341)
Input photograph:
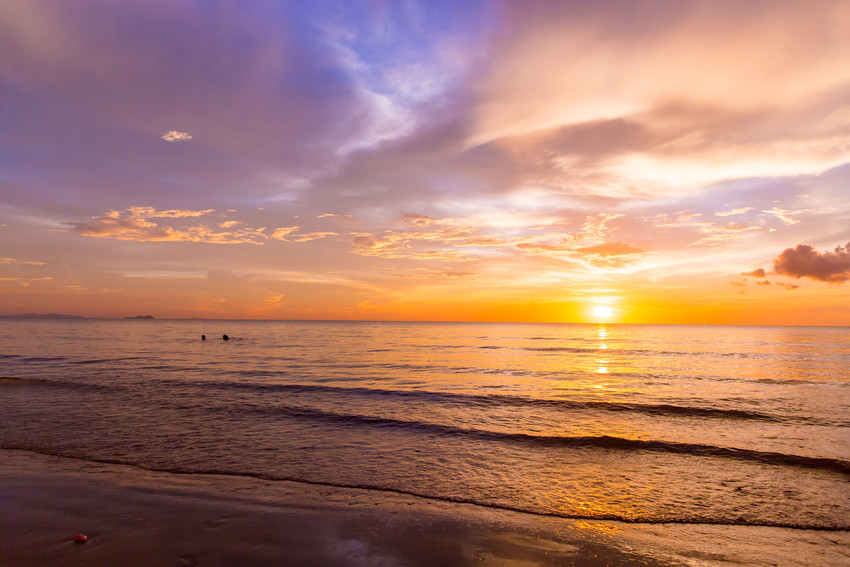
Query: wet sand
point(134, 517)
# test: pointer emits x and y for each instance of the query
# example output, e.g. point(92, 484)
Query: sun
point(602, 311)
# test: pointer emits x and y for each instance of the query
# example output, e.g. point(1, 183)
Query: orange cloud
point(408, 244)
point(21, 262)
point(282, 232)
point(307, 236)
point(610, 249)
point(426, 274)
point(134, 224)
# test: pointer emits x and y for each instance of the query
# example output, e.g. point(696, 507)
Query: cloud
point(610, 249)
point(783, 215)
point(712, 94)
point(410, 243)
point(758, 273)
point(607, 254)
point(277, 298)
point(307, 236)
point(590, 243)
point(721, 233)
point(284, 231)
point(542, 247)
point(175, 136)
point(733, 212)
point(333, 216)
point(805, 261)
point(429, 274)
point(21, 262)
point(135, 224)
point(416, 219)
point(152, 212)
point(517, 150)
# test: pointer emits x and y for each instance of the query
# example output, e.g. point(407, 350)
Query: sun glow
point(602, 312)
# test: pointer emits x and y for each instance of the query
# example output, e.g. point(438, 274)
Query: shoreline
point(136, 517)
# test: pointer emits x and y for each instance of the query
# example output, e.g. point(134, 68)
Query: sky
point(552, 161)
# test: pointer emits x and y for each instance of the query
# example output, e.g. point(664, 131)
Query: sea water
point(647, 424)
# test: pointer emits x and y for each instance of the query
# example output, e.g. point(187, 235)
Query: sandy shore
point(134, 517)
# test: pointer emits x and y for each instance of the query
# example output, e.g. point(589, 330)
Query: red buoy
point(80, 538)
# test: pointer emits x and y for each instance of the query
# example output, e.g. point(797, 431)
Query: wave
point(628, 519)
point(43, 382)
point(483, 400)
point(14, 381)
point(642, 352)
point(501, 400)
point(576, 442)
point(44, 358)
point(103, 360)
point(495, 401)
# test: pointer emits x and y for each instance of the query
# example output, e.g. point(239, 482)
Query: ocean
point(744, 426)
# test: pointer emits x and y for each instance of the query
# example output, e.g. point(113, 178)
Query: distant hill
point(42, 316)
point(140, 317)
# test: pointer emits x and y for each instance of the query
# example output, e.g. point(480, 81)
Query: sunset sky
point(671, 161)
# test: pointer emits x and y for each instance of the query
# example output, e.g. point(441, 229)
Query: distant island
point(140, 317)
point(42, 316)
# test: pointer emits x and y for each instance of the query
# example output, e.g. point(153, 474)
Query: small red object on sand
point(80, 538)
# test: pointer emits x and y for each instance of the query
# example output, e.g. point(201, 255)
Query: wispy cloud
point(733, 212)
point(416, 219)
point(783, 215)
point(308, 236)
point(282, 233)
point(436, 274)
point(21, 262)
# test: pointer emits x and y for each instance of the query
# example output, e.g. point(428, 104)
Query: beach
point(134, 517)
point(307, 443)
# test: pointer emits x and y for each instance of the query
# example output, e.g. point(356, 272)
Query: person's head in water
point(203, 337)
point(225, 338)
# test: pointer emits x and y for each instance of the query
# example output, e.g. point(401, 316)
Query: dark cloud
point(805, 261)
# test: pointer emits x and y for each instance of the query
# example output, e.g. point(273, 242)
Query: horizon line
point(69, 317)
